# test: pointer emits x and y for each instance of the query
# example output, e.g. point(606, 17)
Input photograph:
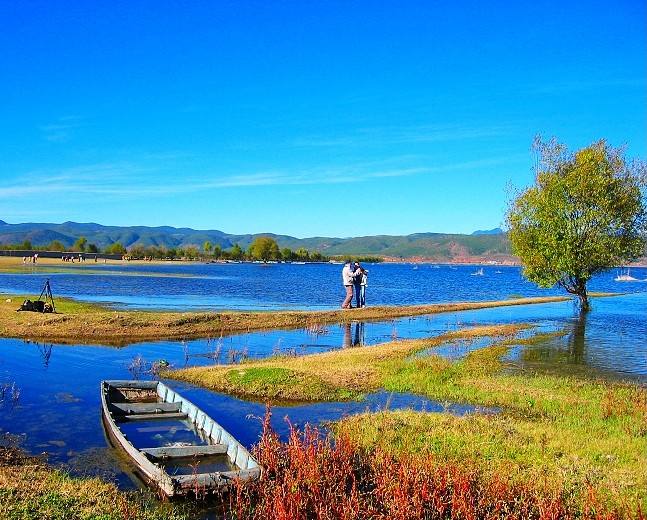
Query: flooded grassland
point(520, 410)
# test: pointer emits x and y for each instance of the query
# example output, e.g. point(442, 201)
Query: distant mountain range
point(495, 231)
point(492, 244)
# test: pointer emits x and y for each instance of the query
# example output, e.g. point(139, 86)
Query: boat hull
point(126, 401)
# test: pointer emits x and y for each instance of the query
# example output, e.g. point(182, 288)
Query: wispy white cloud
point(584, 85)
point(383, 136)
point(132, 180)
point(62, 129)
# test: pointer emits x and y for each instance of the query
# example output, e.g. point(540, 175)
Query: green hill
point(438, 246)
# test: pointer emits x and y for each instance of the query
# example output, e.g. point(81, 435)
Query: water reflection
point(45, 350)
point(354, 334)
point(577, 340)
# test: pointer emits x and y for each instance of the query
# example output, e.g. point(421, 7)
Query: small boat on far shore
point(625, 277)
point(174, 445)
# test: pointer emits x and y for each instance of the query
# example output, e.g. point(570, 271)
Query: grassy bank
point(567, 433)
point(29, 489)
point(91, 323)
point(329, 376)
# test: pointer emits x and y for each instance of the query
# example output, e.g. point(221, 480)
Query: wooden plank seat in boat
point(152, 416)
point(186, 451)
point(144, 408)
point(222, 478)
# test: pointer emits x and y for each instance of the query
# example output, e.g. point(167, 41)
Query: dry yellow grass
point(88, 323)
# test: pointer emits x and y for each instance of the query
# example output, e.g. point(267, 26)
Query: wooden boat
point(136, 412)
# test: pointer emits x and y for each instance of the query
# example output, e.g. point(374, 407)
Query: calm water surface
point(282, 286)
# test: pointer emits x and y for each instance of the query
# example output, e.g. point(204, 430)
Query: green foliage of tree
point(56, 245)
point(302, 254)
point(207, 247)
point(92, 248)
point(137, 251)
point(116, 249)
point(236, 252)
point(26, 244)
point(585, 214)
point(217, 251)
point(80, 244)
point(264, 248)
point(191, 252)
point(287, 254)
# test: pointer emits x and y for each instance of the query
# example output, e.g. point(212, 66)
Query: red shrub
point(312, 477)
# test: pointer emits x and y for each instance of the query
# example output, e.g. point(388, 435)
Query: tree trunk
point(584, 300)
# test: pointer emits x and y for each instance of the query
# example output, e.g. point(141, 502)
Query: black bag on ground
point(37, 306)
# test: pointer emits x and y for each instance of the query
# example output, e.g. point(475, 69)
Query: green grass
point(63, 305)
point(29, 489)
point(275, 382)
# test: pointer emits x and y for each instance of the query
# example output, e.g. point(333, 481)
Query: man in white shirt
point(347, 277)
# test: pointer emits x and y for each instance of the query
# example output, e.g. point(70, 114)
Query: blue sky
point(306, 118)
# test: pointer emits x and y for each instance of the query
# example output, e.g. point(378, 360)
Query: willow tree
point(584, 214)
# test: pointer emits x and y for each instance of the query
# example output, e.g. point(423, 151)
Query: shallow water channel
point(50, 395)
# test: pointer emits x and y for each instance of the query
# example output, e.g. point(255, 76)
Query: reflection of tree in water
point(568, 348)
point(354, 334)
point(45, 350)
point(577, 341)
point(9, 393)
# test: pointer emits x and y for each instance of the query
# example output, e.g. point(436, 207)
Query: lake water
point(57, 410)
point(282, 286)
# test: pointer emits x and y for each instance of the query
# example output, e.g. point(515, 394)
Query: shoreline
point(9, 264)
point(81, 322)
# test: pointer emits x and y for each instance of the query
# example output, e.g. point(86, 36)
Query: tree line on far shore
point(264, 249)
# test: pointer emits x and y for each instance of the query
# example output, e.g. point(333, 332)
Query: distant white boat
point(625, 277)
point(478, 272)
point(298, 263)
point(498, 272)
point(415, 267)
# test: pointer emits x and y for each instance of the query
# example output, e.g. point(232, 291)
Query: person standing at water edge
point(357, 279)
point(347, 280)
point(360, 278)
point(362, 287)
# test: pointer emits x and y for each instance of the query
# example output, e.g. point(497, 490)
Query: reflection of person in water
point(359, 334)
point(356, 340)
point(347, 335)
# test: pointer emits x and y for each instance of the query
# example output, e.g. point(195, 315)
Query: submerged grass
point(93, 323)
point(30, 489)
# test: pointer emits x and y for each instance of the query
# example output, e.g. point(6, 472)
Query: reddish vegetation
point(310, 477)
